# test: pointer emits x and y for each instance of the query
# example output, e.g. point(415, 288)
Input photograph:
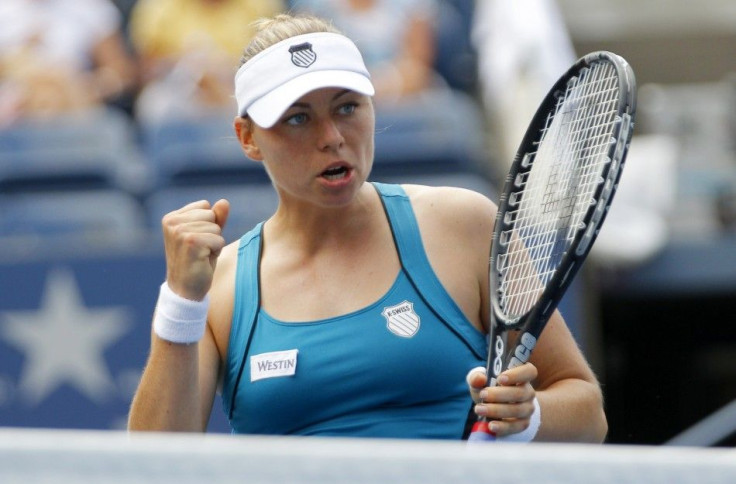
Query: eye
point(347, 108)
point(296, 119)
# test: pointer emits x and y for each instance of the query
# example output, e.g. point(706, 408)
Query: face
point(320, 150)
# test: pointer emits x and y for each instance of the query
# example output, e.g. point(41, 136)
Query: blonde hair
point(272, 30)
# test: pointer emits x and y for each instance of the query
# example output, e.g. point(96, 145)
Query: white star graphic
point(63, 341)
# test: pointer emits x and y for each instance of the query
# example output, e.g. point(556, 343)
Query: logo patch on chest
point(272, 365)
point(401, 319)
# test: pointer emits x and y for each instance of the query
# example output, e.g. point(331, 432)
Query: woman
point(357, 308)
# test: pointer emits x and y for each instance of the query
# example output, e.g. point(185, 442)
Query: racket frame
point(529, 326)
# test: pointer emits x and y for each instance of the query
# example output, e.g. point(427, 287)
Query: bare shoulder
point(453, 221)
point(458, 207)
point(456, 227)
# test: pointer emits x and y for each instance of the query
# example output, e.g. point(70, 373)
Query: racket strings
point(589, 140)
point(555, 193)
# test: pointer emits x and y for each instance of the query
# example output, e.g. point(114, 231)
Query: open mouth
point(336, 173)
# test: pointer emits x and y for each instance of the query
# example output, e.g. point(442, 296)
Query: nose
point(330, 136)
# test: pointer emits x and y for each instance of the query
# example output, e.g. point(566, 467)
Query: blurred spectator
point(61, 56)
point(189, 50)
point(396, 37)
point(520, 56)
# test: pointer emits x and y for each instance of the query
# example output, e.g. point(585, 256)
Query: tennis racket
point(554, 200)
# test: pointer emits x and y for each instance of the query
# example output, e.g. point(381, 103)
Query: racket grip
point(481, 433)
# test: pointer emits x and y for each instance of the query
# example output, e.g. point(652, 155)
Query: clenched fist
point(193, 241)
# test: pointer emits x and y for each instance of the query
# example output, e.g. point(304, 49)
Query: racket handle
point(481, 433)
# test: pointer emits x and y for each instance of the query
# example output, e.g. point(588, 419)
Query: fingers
point(195, 228)
point(476, 380)
point(509, 404)
point(521, 374)
point(506, 417)
point(221, 210)
point(198, 217)
point(193, 240)
point(199, 204)
point(506, 427)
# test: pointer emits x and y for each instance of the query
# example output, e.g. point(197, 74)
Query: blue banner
point(74, 338)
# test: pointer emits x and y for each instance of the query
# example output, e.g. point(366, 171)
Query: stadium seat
point(91, 151)
point(456, 57)
point(202, 151)
point(441, 132)
point(86, 217)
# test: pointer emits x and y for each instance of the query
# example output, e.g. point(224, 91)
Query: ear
point(244, 131)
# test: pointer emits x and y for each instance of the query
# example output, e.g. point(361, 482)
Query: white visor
point(270, 82)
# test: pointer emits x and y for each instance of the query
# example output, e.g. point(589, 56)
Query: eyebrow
point(336, 96)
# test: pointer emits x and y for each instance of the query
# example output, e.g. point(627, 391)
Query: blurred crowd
point(151, 58)
point(456, 80)
point(158, 59)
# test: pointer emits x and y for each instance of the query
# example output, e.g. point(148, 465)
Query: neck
point(311, 229)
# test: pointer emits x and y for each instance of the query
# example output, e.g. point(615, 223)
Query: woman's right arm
point(177, 389)
point(178, 384)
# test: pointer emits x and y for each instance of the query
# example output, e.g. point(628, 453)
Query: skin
point(329, 226)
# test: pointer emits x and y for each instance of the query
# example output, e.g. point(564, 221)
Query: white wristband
point(179, 320)
point(531, 431)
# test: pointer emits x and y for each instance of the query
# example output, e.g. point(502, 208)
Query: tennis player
point(358, 308)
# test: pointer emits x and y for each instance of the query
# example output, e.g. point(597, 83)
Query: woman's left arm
point(569, 399)
point(568, 391)
point(456, 227)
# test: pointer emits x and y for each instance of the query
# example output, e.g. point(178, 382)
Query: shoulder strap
point(245, 311)
point(416, 265)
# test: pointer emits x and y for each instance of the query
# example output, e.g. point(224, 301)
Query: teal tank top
point(394, 369)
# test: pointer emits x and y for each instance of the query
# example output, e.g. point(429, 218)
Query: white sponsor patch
point(272, 365)
point(401, 319)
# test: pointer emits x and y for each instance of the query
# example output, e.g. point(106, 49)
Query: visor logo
point(402, 320)
point(302, 55)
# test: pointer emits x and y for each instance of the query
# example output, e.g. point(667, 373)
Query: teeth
point(335, 176)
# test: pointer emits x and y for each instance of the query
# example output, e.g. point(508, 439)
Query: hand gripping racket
point(555, 198)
